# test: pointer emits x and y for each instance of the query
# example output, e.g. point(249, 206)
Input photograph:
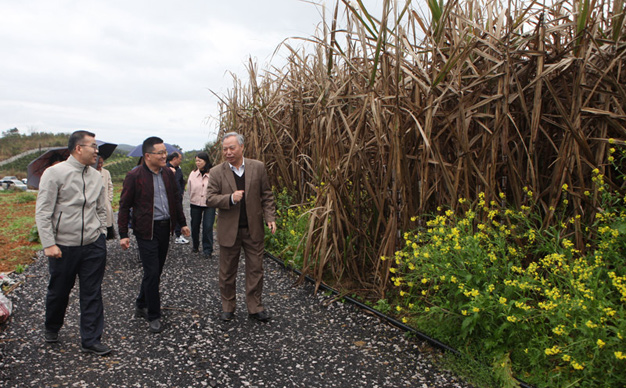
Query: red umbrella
point(45, 160)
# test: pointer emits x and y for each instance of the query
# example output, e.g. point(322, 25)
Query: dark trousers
point(152, 254)
point(88, 263)
point(229, 261)
point(177, 227)
point(206, 216)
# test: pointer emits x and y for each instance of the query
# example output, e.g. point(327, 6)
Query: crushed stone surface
point(312, 340)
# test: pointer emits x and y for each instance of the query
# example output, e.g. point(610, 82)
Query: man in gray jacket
point(71, 219)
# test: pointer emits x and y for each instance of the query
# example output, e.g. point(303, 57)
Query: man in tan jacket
point(241, 191)
point(71, 219)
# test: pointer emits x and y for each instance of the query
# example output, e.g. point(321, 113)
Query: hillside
point(13, 143)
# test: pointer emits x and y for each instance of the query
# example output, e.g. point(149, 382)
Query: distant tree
point(11, 132)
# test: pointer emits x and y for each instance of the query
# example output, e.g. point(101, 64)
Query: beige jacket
point(108, 186)
point(71, 205)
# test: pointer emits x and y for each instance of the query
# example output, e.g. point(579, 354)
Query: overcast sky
point(129, 69)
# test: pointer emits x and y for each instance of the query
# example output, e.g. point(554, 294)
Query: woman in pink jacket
point(200, 213)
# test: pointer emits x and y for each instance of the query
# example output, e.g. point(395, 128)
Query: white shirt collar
point(239, 171)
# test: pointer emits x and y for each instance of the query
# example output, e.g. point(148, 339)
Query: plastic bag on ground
point(6, 307)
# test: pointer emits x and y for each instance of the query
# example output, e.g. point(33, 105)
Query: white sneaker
point(181, 240)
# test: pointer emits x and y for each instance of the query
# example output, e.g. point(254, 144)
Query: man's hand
point(185, 231)
point(237, 195)
point(53, 251)
point(125, 243)
point(272, 226)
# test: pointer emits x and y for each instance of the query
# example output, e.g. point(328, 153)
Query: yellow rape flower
point(600, 343)
point(552, 351)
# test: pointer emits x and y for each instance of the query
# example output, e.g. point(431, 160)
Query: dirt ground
point(15, 249)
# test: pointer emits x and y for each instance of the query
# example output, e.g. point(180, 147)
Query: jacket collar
point(144, 165)
point(72, 161)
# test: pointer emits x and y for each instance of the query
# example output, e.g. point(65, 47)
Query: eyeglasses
point(94, 146)
point(160, 153)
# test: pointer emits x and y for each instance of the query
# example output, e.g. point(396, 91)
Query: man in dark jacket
point(173, 162)
point(151, 191)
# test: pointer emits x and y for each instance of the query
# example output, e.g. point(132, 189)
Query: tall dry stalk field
point(389, 117)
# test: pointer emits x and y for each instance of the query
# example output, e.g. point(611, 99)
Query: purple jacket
point(138, 194)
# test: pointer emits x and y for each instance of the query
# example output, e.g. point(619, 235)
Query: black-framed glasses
point(94, 146)
point(160, 153)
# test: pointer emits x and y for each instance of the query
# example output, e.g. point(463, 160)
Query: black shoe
point(195, 250)
point(227, 316)
point(99, 349)
point(156, 326)
point(261, 316)
point(141, 313)
point(51, 337)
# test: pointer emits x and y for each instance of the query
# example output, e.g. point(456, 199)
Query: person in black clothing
point(173, 162)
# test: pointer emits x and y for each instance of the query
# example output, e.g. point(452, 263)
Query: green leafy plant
point(383, 306)
point(33, 234)
point(492, 281)
point(292, 221)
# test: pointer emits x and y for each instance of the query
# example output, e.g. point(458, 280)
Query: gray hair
point(237, 135)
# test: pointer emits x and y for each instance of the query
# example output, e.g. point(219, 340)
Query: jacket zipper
point(82, 230)
point(58, 223)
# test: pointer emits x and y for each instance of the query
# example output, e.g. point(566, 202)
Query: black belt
point(162, 222)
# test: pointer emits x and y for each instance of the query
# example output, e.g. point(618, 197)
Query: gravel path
point(311, 342)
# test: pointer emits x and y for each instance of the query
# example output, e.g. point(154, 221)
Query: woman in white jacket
point(200, 213)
